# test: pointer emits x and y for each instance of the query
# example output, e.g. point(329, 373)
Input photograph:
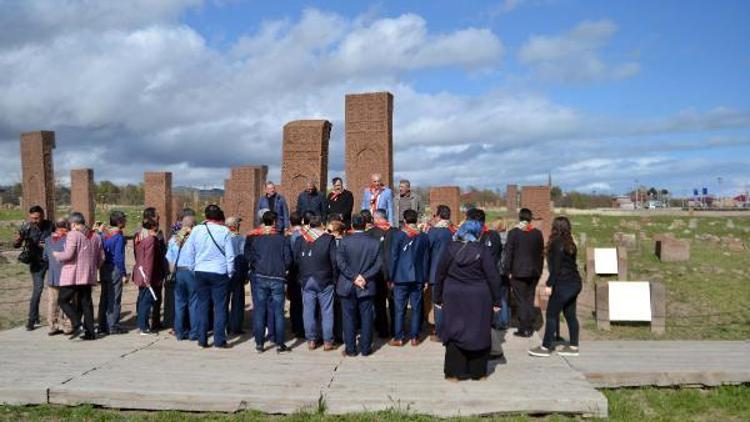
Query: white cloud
point(133, 96)
point(574, 56)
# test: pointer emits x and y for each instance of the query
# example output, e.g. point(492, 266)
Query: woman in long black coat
point(468, 290)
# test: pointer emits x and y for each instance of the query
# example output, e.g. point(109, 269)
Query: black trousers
point(524, 289)
point(168, 304)
point(465, 364)
point(156, 310)
point(563, 299)
point(83, 295)
point(382, 326)
point(294, 291)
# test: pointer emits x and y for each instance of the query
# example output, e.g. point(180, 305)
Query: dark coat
point(311, 201)
point(409, 258)
point(31, 237)
point(343, 205)
point(268, 255)
point(280, 207)
point(358, 254)
point(524, 253)
point(316, 260)
point(439, 237)
point(384, 237)
point(467, 286)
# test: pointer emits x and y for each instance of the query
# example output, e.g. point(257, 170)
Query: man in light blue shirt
point(378, 196)
point(181, 264)
point(211, 246)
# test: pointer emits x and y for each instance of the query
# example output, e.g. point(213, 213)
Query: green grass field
point(706, 296)
point(730, 403)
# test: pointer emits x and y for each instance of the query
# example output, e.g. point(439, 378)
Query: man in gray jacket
point(407, 200)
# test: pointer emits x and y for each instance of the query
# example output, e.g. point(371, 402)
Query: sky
point(599, 94)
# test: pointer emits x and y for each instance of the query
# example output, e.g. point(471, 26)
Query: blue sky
point(598, 93)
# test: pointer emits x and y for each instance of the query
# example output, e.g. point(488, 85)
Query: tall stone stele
point(38, 172)
point(369, 140)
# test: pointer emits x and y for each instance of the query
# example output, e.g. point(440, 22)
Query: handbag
point(497, 338)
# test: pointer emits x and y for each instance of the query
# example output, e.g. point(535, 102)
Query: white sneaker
point(568, 351)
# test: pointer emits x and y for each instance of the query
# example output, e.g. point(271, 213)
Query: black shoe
point(203, 345)
point(118, 330)
point(88, 336)
point(523, 334)
point(223, 346)
point(76, 332)
point(30, 327)
point(259, 349)
point(282, 348)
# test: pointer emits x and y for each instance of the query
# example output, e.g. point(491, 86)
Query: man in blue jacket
point(440, 235)
point(360, 260)
point(409, 268)
point(274, 201)
point(269, 261)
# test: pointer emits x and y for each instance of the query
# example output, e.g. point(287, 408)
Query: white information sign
point(605, 260)
point(629, 301)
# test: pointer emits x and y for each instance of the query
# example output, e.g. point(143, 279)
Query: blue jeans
point(186, 305)
point(110, 299)
point(313, 295)
point(237, 303)
point(270, 316)
point(353, 306)
point(407, 293)
point(265, 289)
point(212, 288)
point(143, 307)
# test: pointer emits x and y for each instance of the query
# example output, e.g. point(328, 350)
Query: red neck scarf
point(411, 230)
point(59, 234)
point(385, 225)
point(375, 192)
point(263, 231)
point(447, 225)
point(310, 235)
point(334, 196)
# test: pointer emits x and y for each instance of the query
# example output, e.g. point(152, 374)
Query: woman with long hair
point(565, 284)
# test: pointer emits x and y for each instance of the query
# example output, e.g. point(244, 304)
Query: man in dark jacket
point(274, 201)
point(311, 200)
point(315, 258)
point(359, 258)
point(382, 231)
point(409, 268)
point(440, 234)
point(269, 260)
point(31, 236)
point(523, 262)
point(340, 201)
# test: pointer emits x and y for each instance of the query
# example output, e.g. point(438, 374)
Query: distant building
point(623, 202)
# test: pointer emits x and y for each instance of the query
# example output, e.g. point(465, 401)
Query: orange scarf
point(263, 231)
point(411, 230)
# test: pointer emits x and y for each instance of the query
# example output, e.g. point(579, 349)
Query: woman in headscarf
point(468, 291)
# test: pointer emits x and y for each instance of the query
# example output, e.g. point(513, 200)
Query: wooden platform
point(614, 364)
point(135, 372)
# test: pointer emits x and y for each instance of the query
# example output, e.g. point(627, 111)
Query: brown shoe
point(327, 347)
point(396, 343)
point(312, 345)
point(435, 338)
point(415, 342)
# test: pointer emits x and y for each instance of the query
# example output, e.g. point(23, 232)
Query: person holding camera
point(31, 238)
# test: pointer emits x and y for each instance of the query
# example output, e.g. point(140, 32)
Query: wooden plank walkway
point(156, 373)
point(611, 364)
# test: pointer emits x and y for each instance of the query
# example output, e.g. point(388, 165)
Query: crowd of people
point(347, 274)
